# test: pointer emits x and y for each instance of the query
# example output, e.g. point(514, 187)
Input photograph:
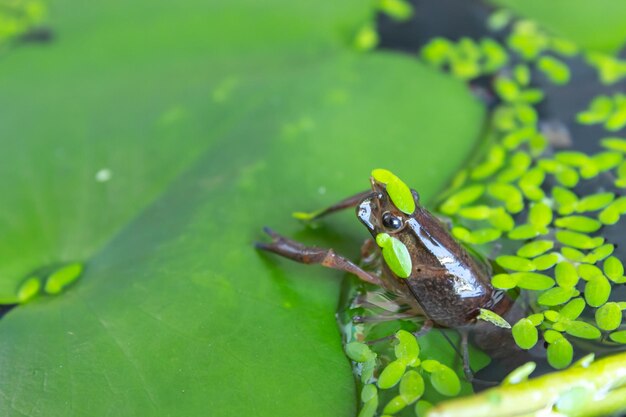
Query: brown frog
point(424, 265)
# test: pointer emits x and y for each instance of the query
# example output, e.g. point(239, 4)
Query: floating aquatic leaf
point(407, 350)
point(523, 232)
point(554, 69)
point(503, 281)
point(429, 365)
point(532, 96)
point(551, 336)
point(552, 315)
point(614, 144)
point(462, 198)
point(515, 263)
point(359, 352)
point(422, 407)
point(509, 194)
point(567, 177)
point(437, 51)
point(609, 316)
point(366, 38)
point(613, 268)
point(607, 160)
point(391, 375)
point(525, 334)
point(560, 353)
point(602, 252)
point(566, 275)
point(536, 319)
point(565, 199)
point(367, 370)
point(526, 114)
point(445, 381)
point(494, 161)
point(599, 110)
point(397, 9)
point(501, 220)
point(522, 74)
point(411, 387)
point(556, 296)
point(578, 224)
point(368, 392)
point(461, 233)
point(573, 158)
point(482, 236)
point(520, 374)
point(396, 255)
point(506, 89)
point(619, 336)
point(540, 215)
point(513, 140)
point(533, 281)
point(572, 254)
point(573, 309)
point(594, 202)
point(493, 318)
point(610, 215)
point(495, 55)
point(546, 261)
point(28, 289)
point(395, 405)
point(617, 120)
point(63, 277)
point(597, 291)
point(578, 240)
point(535, 248)
point(582, 329)
point(588, 272)
point(475, 212)
point(369, 408)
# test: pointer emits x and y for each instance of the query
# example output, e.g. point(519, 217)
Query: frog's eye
point(391, 222)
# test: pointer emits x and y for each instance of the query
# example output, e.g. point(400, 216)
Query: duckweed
point(525, 334)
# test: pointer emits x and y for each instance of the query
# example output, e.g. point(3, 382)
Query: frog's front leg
point(313, 255)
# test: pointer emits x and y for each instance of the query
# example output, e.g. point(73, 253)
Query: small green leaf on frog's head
point(399, 193)
point(396, 255)
point(493, 318)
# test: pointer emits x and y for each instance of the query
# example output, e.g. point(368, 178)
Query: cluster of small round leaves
point(610, 111)
point(466, 59)
point(610, 68)
point(507, 194)
point(406, 373)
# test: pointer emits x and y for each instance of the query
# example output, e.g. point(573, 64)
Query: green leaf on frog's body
point(493, 318)
point(399, 193)
point(525, 334)
point(609, 316)
point(396, 255)
point(560, 353)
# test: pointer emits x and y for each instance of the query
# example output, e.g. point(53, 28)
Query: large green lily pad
point(213, 121)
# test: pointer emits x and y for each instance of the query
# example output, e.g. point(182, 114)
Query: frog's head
point(385, 212)
point(389, 205)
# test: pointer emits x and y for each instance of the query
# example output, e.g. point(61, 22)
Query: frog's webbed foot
point(298, 252)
